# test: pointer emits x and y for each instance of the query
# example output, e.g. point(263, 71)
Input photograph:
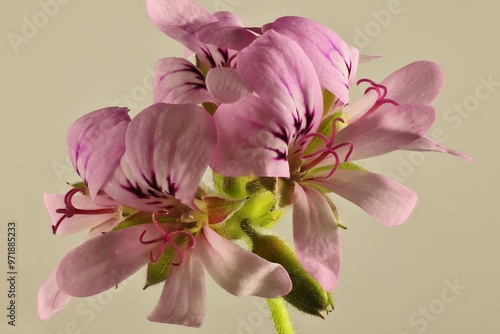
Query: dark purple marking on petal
point(209, 57)
point(172, 188)
point(197, 85)
point(280, 155)
point(282, 134)
point(196, 71)
point(152, 192)
point(225, 56)
point(309, 119)
point(153, 183)
point(297, 122)
point(349, 66)
point(77, 155)
point(154, 196)
point(327, 55)
point(135, 189)
point(187, 68)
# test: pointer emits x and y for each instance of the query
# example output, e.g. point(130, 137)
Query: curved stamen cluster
point(381, 91)
point(70, 210)
point(167, 239)
point(329, 149)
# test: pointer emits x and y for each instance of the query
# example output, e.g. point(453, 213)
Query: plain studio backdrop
point(438, 273)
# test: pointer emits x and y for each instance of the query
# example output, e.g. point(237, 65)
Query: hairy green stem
point(281, 319)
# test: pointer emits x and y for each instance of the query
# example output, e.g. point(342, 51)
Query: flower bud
point(232, 187)
point(307, 294)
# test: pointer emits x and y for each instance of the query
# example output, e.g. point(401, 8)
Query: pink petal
point(179, 81)
point(384, 131)
point(417, 83)
point(179, 19)
point(96, 143)
point(384, 199)
point(105, 227)
point(329, 54)
point(78, 222)
point(228, 32)
point(360, 107)
point(168, 148)
point(426, 144)
point(132, 190)
point(182, 301)
point(239, 271)
point(316, 236)
point(226, 85)
point(278, 70)
point(251, 139)
point(105, 261)
point(51, 299)
point(228, 19)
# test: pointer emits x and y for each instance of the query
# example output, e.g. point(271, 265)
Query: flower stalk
point(281, 319)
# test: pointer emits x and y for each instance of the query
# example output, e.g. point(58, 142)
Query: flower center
point(70, 210)
point(167, 238)
point(381, 91)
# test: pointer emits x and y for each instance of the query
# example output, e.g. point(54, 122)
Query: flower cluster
point(259, 122)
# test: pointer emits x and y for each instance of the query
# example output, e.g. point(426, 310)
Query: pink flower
point(217, 41)
point(278, 131)
point(417, 83)
point(95, 146)
point(166, 152)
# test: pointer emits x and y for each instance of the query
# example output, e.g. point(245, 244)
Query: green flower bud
point(260, 209)
point(232, 187)
point(261, 184)
point(307, 294)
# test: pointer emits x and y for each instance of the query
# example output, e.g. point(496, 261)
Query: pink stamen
point(166, 239)
point(348, 154)
point(381, 91)
point(71, 210)
point(336, 165)
point(334, 128)
point(329, 149)
point(318, 135)
point(324, 154)
point(312, 155)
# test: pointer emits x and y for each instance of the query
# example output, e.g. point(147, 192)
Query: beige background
point(92, 52)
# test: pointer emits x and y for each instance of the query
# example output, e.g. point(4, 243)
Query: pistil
point(321, 154)
point(381, 91)
point(167, 238)
point(70, 210)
